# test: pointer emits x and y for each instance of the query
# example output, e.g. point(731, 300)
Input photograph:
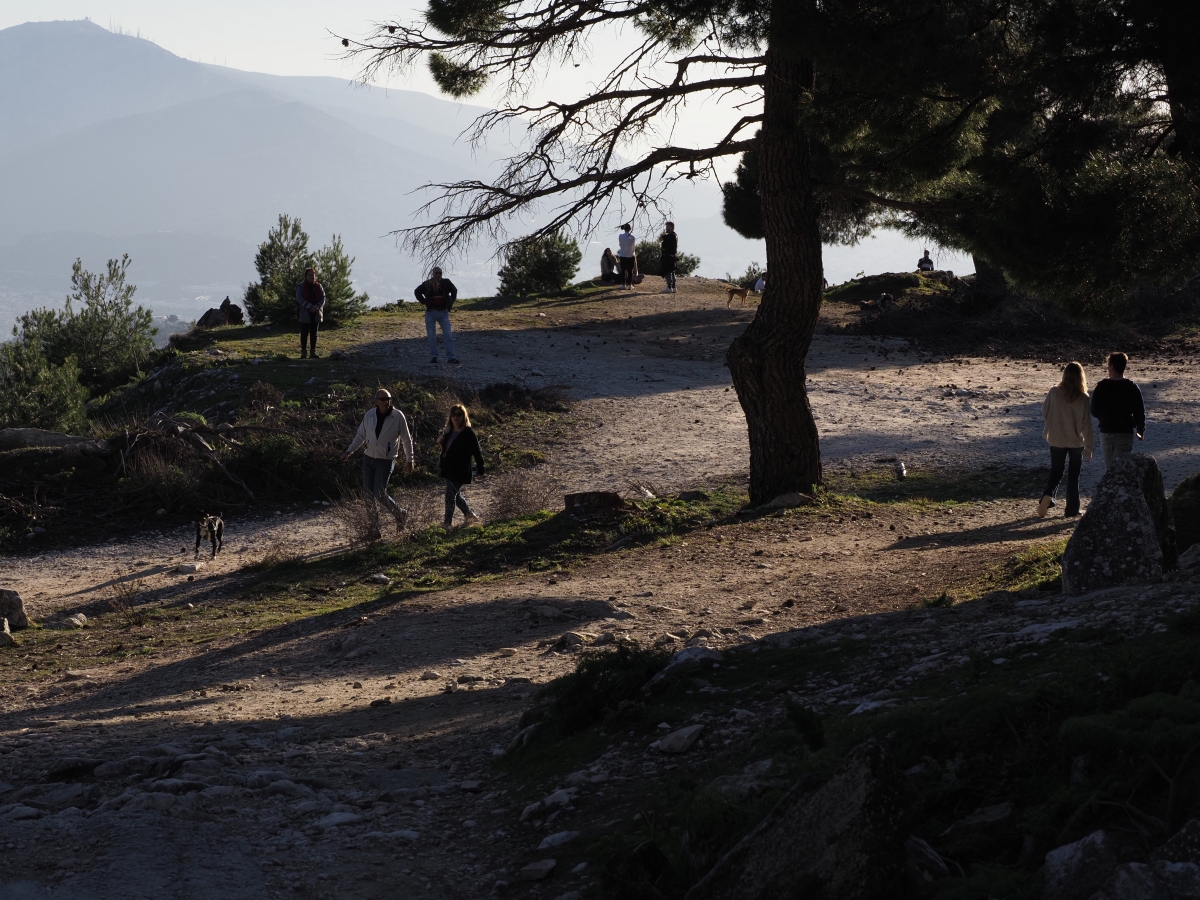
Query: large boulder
point(1075, 871)
point(226, 314)
point(842, 841)
point(1127, 535)
point(13, 609)
point(22, 438)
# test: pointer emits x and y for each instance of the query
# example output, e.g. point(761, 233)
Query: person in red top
point(310, 301)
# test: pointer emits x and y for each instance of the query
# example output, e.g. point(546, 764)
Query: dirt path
point(257, 766)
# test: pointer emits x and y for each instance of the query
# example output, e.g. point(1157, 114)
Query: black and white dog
point(213, 528)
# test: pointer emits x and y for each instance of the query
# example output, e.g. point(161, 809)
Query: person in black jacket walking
point(459, 444)
point(1117, 403)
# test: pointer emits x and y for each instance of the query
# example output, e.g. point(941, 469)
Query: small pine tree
point(649, 259)
point(333, 271)
point(99, 326)
point(281, 261)
point(539, 265)
point(35, 393)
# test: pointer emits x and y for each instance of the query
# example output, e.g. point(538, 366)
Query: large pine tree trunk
point(767, 361)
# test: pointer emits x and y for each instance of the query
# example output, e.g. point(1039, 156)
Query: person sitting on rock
point(1068, 430)
point(608, 267)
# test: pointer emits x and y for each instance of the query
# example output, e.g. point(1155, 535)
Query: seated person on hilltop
point(925, 264)
point(608, 267)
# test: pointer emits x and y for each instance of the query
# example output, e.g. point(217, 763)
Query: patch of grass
point(898, 284)
point(1036, 568)
point(924, 486)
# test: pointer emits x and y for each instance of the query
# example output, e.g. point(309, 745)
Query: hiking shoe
point(314, 355)
point(454, 362)
point(375, 535)
point(1044, 505)
point(304, 354)
point(433, 362)
point(473, 521)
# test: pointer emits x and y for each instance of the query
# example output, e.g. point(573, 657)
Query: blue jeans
point(454, 497)
point(441, 317)
point(1058, 462)
point(375, 475)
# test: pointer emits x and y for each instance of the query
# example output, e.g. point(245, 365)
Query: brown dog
point(739, 292)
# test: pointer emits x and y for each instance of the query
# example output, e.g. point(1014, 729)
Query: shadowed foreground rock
point(842, 841)
point(1127, 535)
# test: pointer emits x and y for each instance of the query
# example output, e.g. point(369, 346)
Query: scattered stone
point(285, 788)
point(844, 839)
point(264, 777)
point(561, 797)
point(924, 865)
point(339, 355)
point(693, 496)
point(18, 812)
point(1190, 558)
point(382, 701)
point(537, 871)
point(337, 819)
point(983, 819)
point(189, 568)
point(788, 501)
point(6, 638)
point(226, 314)
point(1184, 845)
point(1075, 871)
point(557, 839)
point(471, 787)
point(507, 651)
point(469, 679)
point(13, 609)
point(1127, 535)
point(1158, 881)
point(679, 741)
point(379, 578)
point(550, 613)
point(79, 620)
point(430, 675)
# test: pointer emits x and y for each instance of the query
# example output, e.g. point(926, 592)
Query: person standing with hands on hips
point(437, 295)
point(459, 445)
point(670, 256)
point(310, 302)
point(1069, 432)
point(1117, 403)
point(382, 434)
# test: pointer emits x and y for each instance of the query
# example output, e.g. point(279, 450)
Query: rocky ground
point(365, 751)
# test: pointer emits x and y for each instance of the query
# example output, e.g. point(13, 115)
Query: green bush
point(649, 258)
point(35, 393)
point(108, 337)
point(537, 265)
point(747, 279)
point(281, 261)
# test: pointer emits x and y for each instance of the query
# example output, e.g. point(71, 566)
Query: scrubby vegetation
point(280, 263)
point(649, 257)
point(538, 265)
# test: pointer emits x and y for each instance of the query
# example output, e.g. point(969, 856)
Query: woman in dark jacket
point(459, 444)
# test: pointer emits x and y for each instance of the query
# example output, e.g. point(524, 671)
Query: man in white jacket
point(382, 434)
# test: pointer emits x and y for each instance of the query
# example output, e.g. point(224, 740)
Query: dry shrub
point(425, 506)
point(358, 521)
point(523, 492)
point(274, 558)
point(124, 597)
point(164, 473)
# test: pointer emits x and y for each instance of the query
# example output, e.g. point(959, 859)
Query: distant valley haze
point(110, 144)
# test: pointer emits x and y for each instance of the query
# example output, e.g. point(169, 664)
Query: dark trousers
point(308, 330)
point(626, 270)
point(1058, 461)
point(668, 270)
point(454, 497)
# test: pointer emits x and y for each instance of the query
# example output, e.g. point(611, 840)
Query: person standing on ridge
point(925, 264)
point(626, 242)
point(1069, 432)
point(1117, 404)
point(437, 295)
point(382, 434)
point(310, 302)
point(670, 255)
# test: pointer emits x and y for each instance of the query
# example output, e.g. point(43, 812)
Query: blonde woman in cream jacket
point(1067, 413)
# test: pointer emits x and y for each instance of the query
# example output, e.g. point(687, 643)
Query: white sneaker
point(473, 522)
point(665, 291)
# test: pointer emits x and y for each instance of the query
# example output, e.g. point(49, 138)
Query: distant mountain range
point(111, 144)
